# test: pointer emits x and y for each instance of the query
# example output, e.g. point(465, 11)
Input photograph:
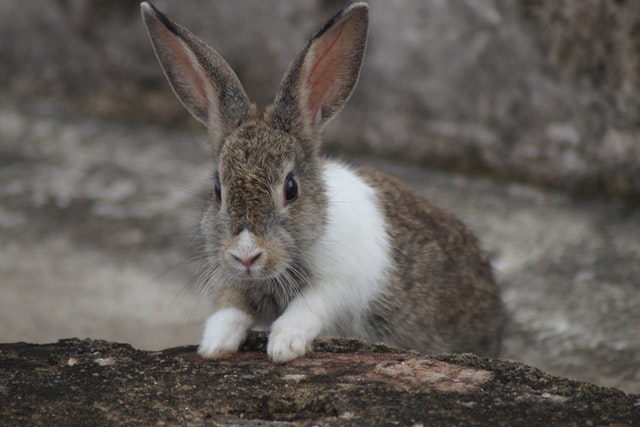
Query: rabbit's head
point(268, 199)
point(267, 203)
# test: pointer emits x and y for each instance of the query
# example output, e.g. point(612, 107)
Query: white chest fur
point(351, 260)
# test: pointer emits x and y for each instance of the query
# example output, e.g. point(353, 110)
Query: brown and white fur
point(304, 246)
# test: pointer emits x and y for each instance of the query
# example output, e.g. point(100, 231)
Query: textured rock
point(343, 382)
point(545, 91)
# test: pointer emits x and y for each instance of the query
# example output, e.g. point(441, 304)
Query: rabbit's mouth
point(284, 282)
point(260, 271)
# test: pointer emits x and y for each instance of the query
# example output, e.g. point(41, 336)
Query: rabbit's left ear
point(322, 77)
point(202, 80)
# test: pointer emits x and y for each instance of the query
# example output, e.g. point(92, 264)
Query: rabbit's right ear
point(202, 80)
point(322, 77)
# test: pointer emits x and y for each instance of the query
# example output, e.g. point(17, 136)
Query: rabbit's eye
point(290, 189)
point(218, 190)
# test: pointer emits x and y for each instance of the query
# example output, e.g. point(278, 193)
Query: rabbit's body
point(440, 282)
point(304, 246)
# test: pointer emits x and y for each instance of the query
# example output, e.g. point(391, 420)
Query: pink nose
point(248, 261)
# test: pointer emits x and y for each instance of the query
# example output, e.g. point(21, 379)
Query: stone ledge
point(343, 382)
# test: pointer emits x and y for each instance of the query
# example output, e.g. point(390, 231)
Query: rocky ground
point(96, 216)
point(342, 383)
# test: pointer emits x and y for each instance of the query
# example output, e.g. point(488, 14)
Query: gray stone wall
point(546, 92)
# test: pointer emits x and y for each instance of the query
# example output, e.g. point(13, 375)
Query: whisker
point(297, 280)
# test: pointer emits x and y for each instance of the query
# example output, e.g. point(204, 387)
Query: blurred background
point(521, 117)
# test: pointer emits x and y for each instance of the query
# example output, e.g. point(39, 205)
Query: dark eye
point(290, 189)
point(218, 190)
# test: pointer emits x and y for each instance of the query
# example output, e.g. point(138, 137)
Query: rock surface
point(343, 382)
point(545, 92)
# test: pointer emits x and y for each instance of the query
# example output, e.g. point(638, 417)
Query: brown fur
point(439, 294)
point(442, 284)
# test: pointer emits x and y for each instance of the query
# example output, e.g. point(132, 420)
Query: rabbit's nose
point(248, 260)
point(245, 251)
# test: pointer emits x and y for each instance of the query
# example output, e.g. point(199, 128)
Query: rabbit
point(302, 246)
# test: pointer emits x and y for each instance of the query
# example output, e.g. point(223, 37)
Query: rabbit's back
point(441, 295)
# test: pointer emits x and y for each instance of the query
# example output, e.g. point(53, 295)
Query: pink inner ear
point(190, 76)
point(326, 70)
point(187, 76)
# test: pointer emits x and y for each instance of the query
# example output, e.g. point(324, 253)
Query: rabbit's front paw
point(284, 346)
point(290, 340)
point(224, 333)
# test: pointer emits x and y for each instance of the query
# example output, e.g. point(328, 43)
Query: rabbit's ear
point(202, 80)
point(322, 77)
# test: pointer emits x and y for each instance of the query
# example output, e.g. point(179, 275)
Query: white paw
point(291, 339)
point(285, 346)
point(224, 333)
